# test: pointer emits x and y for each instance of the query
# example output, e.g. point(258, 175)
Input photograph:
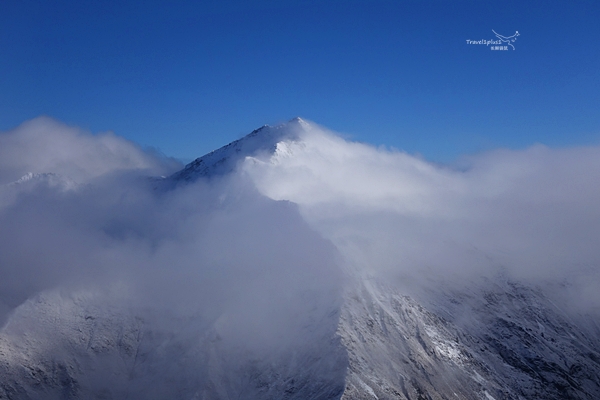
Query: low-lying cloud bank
point(532, 214)
point(44, 145)
point(88, 215)
point(230, 251)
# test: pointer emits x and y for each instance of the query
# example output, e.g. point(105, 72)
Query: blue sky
point(188, 77)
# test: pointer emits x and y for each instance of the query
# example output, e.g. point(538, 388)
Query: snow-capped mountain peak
point(261, 142)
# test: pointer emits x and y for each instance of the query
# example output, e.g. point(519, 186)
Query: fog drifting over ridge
point(251, 249)
point(44, 145)
point(218, 251)
point(533, 214)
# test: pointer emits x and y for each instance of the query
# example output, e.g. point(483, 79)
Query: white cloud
point(43, 145)
point(220, 251)
point(223, 250)
point(532, 212)
point(256, 262)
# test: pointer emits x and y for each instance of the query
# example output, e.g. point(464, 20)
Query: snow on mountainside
point(369, 336)
point(81, 345)
point(50, 179)
point(498, 341)
point(32, 181)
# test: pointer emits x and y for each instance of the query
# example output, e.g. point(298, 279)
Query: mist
point(531, 215)
point(90, 215)
point(252, 254)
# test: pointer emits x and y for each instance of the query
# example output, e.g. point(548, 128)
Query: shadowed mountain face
point(291, 264)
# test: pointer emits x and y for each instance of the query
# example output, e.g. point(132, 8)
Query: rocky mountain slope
point(499, 341)
point(379, 344)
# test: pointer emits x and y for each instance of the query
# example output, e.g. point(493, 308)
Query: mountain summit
point(260, 142)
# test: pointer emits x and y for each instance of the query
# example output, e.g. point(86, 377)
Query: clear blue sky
point(188, 77)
